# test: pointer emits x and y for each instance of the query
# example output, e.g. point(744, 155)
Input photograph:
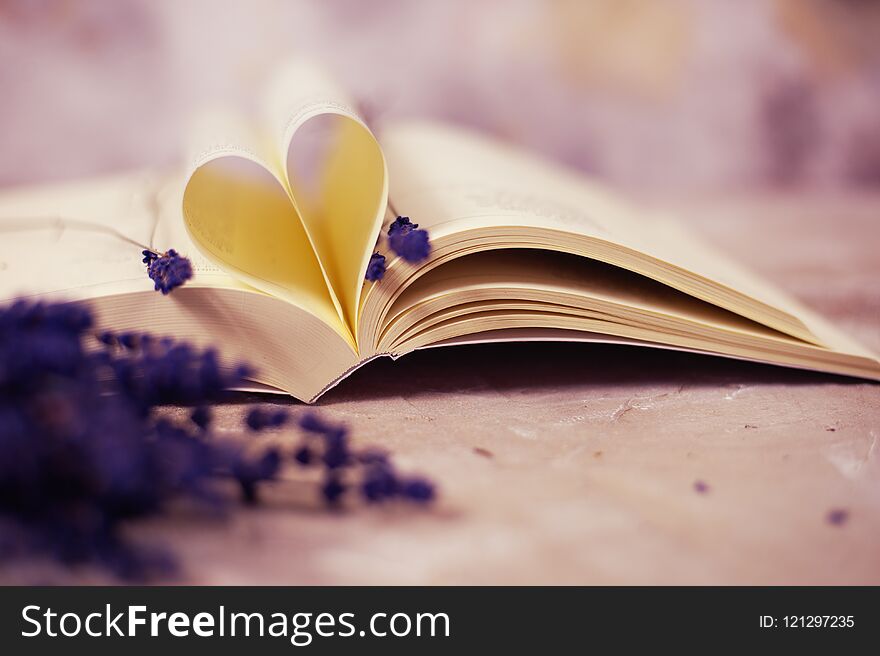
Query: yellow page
point(343, 212)
point(250, 211)
point(237, 210)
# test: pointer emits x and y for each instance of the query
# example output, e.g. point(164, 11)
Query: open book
point(281, 213)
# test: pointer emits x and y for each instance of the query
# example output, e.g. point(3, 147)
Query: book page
point(454, 180)
point(562, 279)
point(341, 190)
point(82, 240)
point(455, 183)
point(543, 285)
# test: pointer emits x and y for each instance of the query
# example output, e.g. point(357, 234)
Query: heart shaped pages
point(302, 233)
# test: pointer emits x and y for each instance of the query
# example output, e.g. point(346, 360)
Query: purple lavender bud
point(379, 484)
point(168, 271)
point(413, 246)
point(257, 419)
point(278, 418)
point(312, 423)
point(400, 226)
point(336, 456)
point(406, 241)
point(243, 372)
point(248, 472)
point(269, 464)
point(201, 417)
point(332, 490)
point(303, 455)
point(107, 338)
point(376, 267)
point(419, 490)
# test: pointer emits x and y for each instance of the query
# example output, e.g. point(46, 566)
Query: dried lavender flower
point(80, 452)
point(168, 270)
point(377, 479)
point(407, 241)
point(84, 448)
point(332, 490)
point(376, 267)
point(258, 419)
point(201, 417)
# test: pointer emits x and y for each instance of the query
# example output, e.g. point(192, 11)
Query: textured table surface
point(567, 464)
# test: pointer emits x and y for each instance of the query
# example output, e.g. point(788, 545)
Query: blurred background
point(662, 95)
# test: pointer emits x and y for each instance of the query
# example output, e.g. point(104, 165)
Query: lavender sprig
point(406, 241)
point(84, 448)
point(167, 270)
point(327, 445)
point(376, 267)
